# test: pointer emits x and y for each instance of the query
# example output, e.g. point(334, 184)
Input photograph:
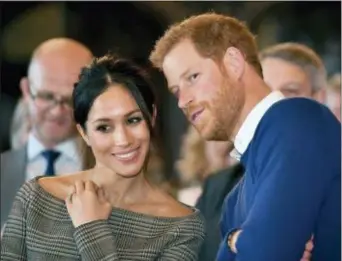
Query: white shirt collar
point(248, 127)
point(69, 148)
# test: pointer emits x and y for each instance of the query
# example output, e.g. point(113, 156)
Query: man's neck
point(253, 96)
point(48, 144)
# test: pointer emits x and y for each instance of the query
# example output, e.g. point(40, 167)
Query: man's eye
point(193, 77)
point(46, 96)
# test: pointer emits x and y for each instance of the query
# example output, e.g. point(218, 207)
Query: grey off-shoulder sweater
point(39, 228)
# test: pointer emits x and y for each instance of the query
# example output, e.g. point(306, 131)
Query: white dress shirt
point(70, 159)
point(248, 127)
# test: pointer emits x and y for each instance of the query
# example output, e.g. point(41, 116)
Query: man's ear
point(154, 115)
point(234, 63)
point(25, 88)
point(83, 134)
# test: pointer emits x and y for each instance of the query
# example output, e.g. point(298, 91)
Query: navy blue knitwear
point(291, 189)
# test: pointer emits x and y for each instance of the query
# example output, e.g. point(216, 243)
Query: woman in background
point(109, 212)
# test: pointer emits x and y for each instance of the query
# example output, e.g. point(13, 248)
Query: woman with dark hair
point(109, 212)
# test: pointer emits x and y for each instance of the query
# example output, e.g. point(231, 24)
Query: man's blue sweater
point(291, 189)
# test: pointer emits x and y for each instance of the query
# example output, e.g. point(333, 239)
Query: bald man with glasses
point(52, 146)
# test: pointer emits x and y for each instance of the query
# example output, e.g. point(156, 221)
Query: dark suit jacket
point(13, 171)
point(7, 108)
point(215, 189)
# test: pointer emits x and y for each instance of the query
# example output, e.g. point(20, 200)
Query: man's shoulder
point(297, 122)
point(296, 115)
point(296, 107)
point(11, 161)
point(13, 153)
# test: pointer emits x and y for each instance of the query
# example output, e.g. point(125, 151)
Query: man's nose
point(184, 98)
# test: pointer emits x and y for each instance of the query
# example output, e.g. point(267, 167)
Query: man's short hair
point(211, 35)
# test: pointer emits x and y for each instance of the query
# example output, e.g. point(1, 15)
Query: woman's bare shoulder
point(170, 207)
point(60, 186)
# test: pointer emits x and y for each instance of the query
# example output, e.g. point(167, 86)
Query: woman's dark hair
point(104, 72)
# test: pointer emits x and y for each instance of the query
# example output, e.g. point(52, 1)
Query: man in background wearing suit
point(295, 70)
point(52, 147)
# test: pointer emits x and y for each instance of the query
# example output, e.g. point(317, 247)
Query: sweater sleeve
point(187, 243)
point(297, 160)
point(187, 249)
point(13, 244)
point(224, 252)
point(95, 241)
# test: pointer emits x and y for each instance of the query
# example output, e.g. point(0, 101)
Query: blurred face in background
point(52, 74)
point(286, 77)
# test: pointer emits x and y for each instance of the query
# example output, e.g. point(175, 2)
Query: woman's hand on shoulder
point(87, 203)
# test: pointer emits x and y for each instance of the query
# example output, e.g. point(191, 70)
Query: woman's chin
point(129, 172)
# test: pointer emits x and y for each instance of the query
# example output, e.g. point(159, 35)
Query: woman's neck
point(120, 191)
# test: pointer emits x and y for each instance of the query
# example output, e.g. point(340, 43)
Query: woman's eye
point(134, 120)
point(103, 128)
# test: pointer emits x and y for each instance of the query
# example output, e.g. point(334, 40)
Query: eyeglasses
point(48, 100)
